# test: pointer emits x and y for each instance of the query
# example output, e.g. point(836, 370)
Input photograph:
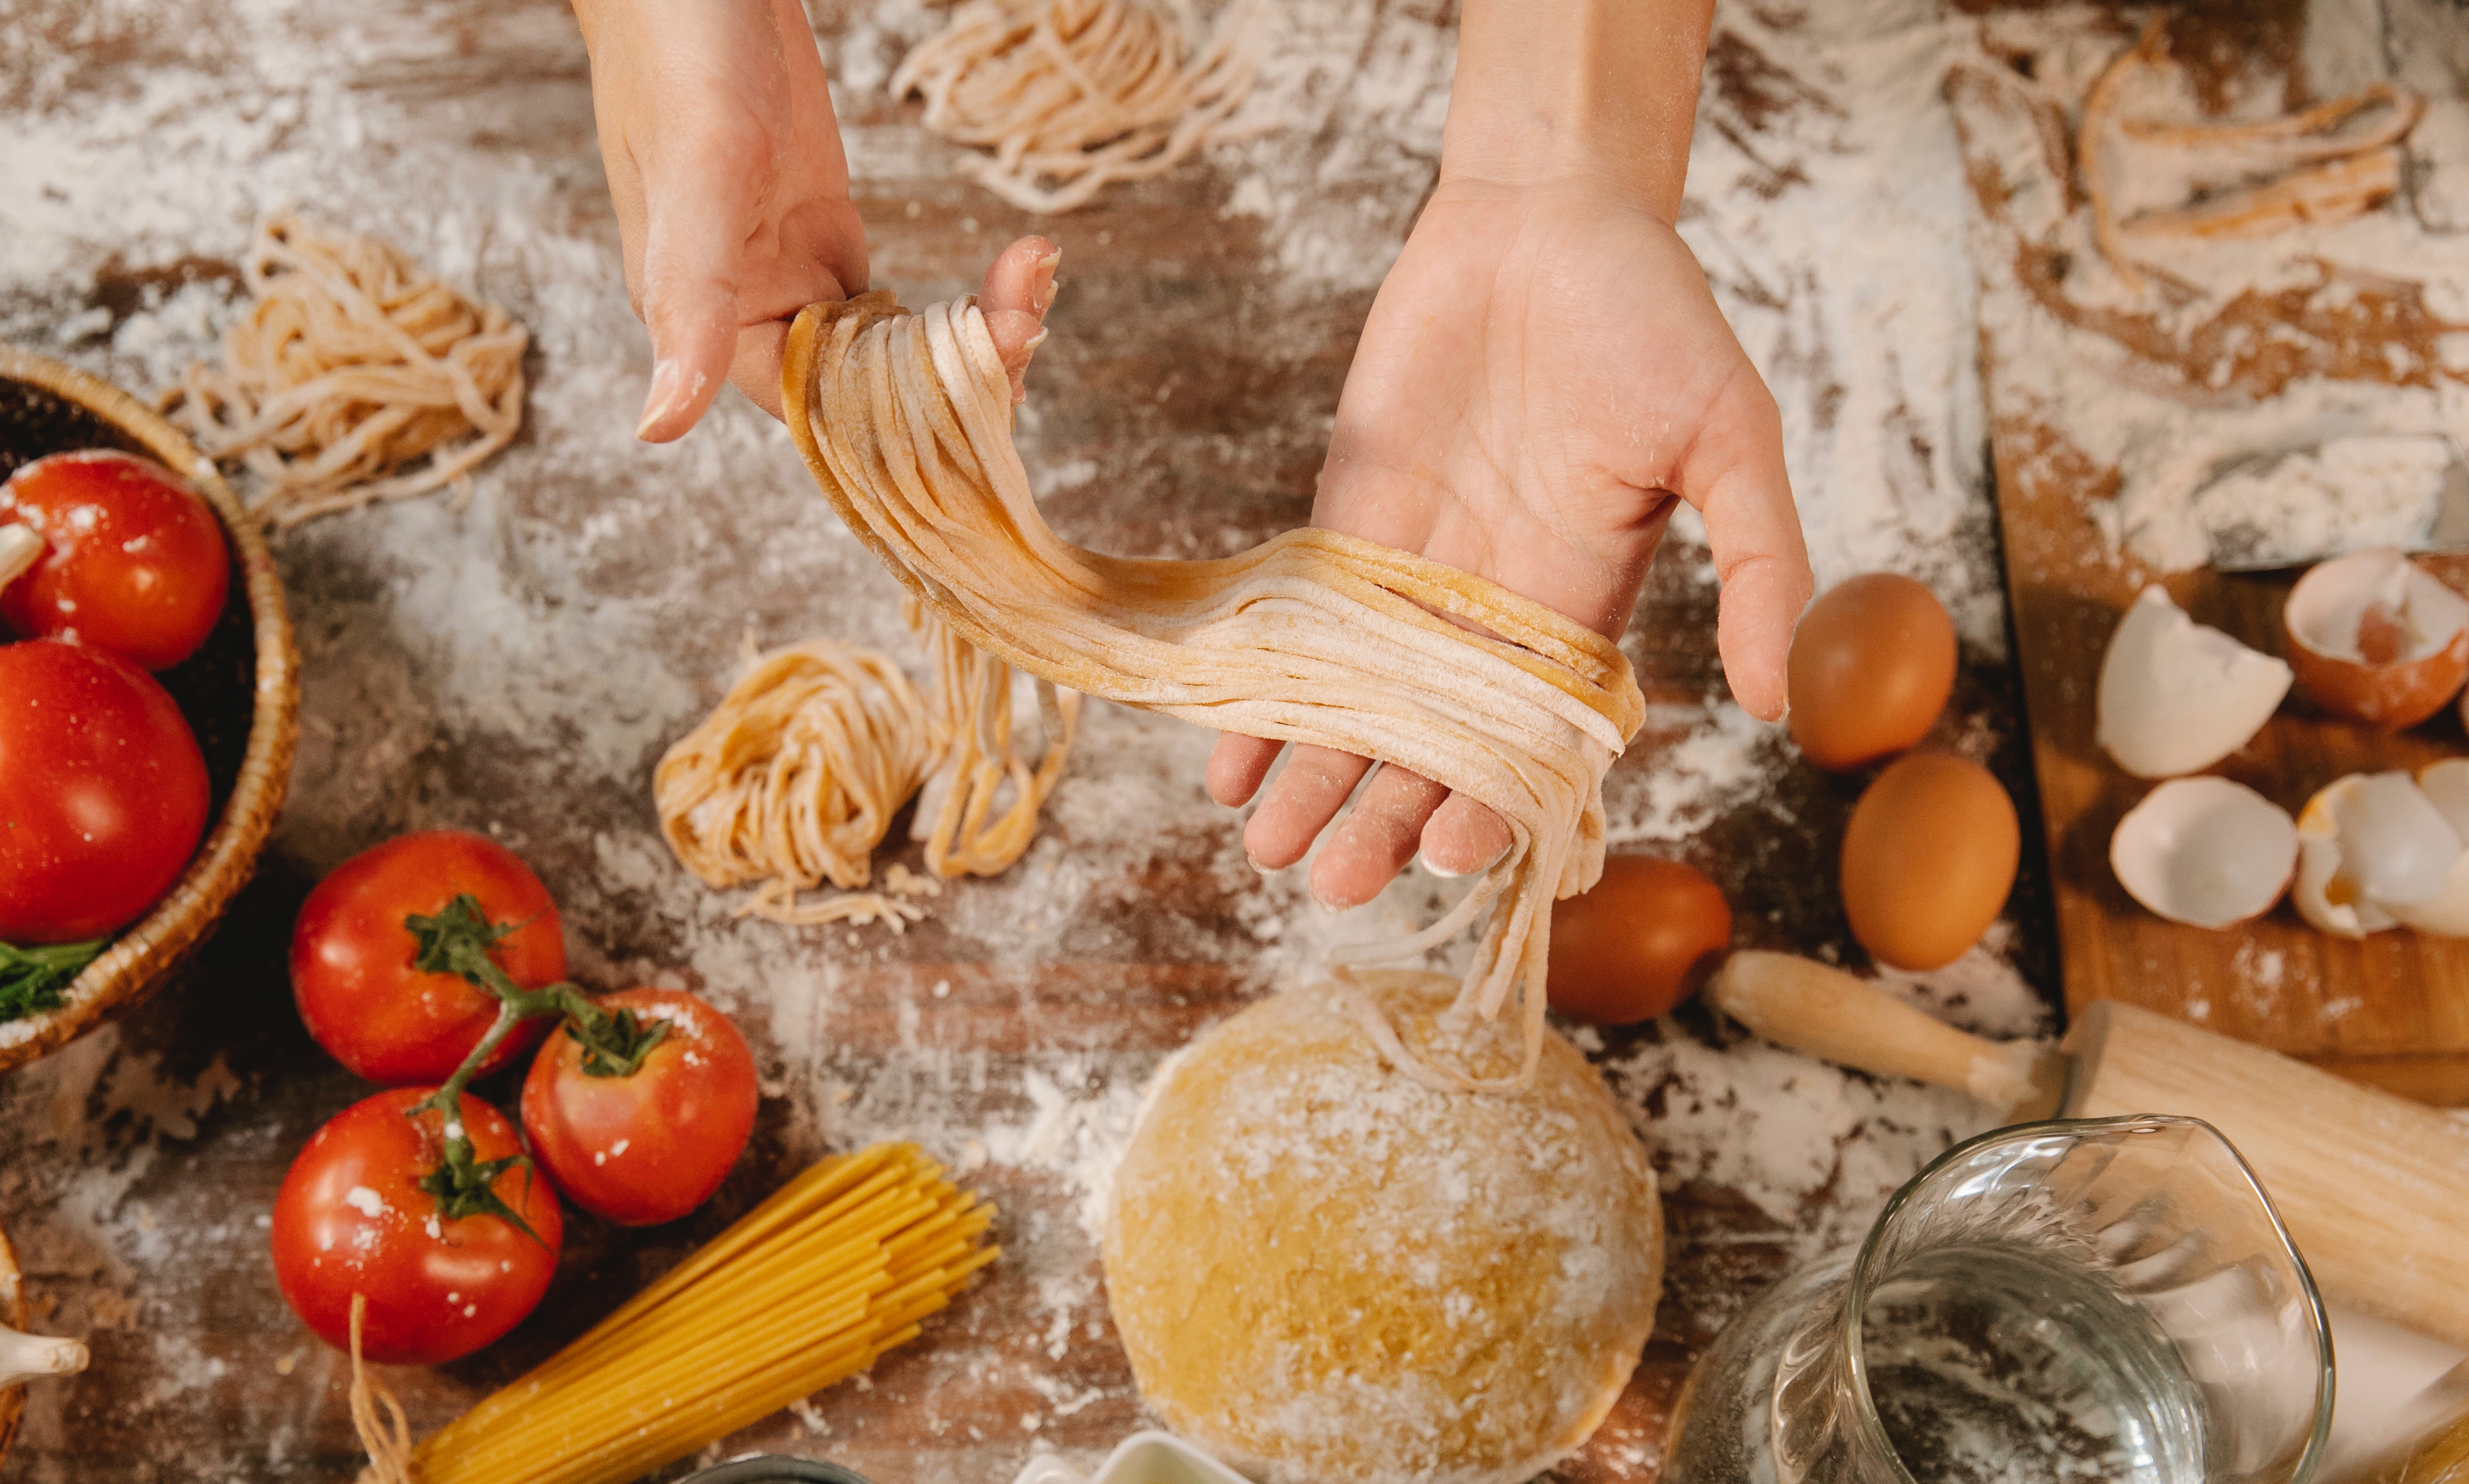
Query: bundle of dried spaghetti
point(354, 363)
point(1073, 95)
point(808, 1290)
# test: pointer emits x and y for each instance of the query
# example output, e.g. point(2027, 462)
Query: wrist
point(1601, 91)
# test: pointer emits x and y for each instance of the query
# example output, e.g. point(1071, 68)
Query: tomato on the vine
point(102, 792)
point(352, 955)
point(135, 560)
point(650, 1145)
point(361, 1212)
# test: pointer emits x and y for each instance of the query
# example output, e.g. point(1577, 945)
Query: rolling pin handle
point(1828, 1013)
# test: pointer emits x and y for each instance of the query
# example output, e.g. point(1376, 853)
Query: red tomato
point(652, 1146)
point(351, 1219)
point(102, 793)
point(352, 956)
point(136, 562)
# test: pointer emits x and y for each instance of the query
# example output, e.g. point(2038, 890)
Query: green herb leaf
point(32, 981)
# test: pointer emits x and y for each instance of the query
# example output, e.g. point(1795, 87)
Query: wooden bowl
point(241, 693)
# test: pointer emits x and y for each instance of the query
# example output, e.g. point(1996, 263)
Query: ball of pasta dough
point(1326, 1269)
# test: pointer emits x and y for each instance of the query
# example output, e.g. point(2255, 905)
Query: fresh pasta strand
point(354, 362)
point(1079, 93)
point(958, 819)
point(1315, 637)
point(810, 1288)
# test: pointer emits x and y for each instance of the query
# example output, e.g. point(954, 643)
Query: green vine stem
point(457, 940)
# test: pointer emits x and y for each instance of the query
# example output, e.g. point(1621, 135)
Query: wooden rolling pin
point(2374, 1188)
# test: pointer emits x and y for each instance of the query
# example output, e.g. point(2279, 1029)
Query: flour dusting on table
point(2237, 349)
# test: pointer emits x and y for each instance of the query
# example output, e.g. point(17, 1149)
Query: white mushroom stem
point(20, 548)
point(23, 1356)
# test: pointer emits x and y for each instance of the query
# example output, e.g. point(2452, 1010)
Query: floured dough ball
point(1327, 1270)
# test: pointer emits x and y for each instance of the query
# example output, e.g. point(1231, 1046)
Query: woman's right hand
point(731, 189)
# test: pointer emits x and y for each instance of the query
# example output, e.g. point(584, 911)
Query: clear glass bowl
point(2101, 1301)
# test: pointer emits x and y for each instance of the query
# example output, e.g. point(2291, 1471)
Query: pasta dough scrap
point(2272, 173)
point(1079, 93)
point(1314, 637)
point(354, 362)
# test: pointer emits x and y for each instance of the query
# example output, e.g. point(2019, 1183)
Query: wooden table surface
point(2392, 1009)
point(517, 666)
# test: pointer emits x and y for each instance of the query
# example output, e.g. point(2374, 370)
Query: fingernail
point(1047, 265)
point(1253, 861)
point(1425, 861)
point(1033, 342)
point(666, 396)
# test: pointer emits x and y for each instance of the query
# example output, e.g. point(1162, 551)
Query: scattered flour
point(2241, 321)
point(1723, 755)
point(2349, 494)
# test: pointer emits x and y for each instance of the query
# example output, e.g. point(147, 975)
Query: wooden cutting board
point(2392, 1010)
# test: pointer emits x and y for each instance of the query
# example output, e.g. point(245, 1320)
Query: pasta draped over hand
point(1314, 637)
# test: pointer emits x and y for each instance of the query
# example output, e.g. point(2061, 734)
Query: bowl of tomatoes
point(150, 696)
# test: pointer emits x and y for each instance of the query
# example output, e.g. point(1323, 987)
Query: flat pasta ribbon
point(1313, 637)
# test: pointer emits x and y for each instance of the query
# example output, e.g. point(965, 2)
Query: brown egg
point(1872, 664)
point(1927, 859)
point(1643, 940)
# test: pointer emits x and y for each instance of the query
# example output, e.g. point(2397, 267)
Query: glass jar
point(2100, 1301)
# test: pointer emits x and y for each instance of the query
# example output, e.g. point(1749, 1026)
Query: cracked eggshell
point(2205, 851)
point(2175, 696)
point(2370, 846)
point(2374, 637)
point(2446, 786)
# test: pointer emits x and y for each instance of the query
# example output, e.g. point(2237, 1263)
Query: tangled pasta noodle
point(353, 363)
point(793, 779)
point(1070, 96)
point(1315, 637)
